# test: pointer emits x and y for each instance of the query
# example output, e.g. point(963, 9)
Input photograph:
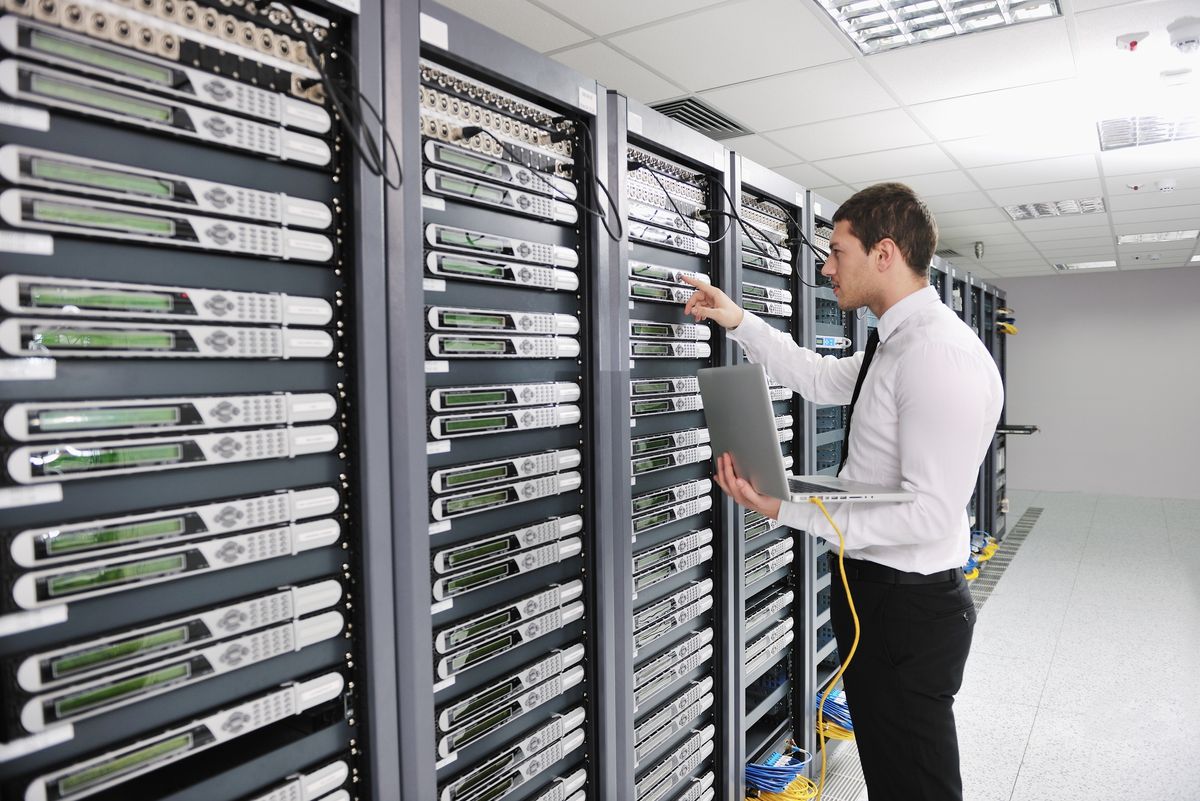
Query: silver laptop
point(741, 422)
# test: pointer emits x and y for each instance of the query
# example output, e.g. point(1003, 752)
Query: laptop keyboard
point(798, 487)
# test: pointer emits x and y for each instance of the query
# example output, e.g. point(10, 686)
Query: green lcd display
point(457, 505)
point(652, 521)
point(464, 320)
point(650, 407)
point(654, 444)
point(754, 305)
point(476, 476)
point(471, 268)
point(468, 162)
point(642, 291)
point(657, 575)
point(477, 730)
point(497, 792)
point(651, 559)
point(473, 346)
point(640, 349)
point(648, 330)
point(105, 655)
point(458, 186)
point(656, 463)
point(483, 700)
point(100, 339)
point(480, 627)
point(484, 774)
point(56, 297)
point(481, 653)
point(754, 291)
point(92, 97)
point(641, 504)
point(474, 398)
point(648, 271)
point(87, 419)
point(95, 57)
point(80, 460)
point(464, 239)
point(110, 693)
point(88, 580)
point(464, 583)
point(73, 783)
point(67, 542)
point(476, 552)
point(98, 178)
point(651, 388)
point(473, 424)
point(85, 217)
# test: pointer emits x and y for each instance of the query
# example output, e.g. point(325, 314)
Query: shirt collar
point(894, 317)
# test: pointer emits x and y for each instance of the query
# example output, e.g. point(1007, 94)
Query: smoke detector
point(1130, 41)
point(979, 250)
point(1165, 185)
point(1185, 34)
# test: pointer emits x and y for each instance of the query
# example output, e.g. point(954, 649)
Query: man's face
point(848, 266)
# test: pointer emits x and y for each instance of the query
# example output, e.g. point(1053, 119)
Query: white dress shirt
point(925, 416)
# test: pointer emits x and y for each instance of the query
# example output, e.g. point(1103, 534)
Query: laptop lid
point(741, 422)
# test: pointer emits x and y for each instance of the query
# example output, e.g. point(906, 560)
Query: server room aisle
point(1082, 679)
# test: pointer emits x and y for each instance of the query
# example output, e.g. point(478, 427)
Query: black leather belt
point(882, 574)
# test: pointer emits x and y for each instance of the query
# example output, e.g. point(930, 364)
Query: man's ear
point(886, 254)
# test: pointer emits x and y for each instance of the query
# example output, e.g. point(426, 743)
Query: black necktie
point(872, 345)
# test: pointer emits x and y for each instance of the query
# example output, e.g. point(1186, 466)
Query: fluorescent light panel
point(1159, 236)
point(1149, 130)
point(1056, 208)
point(1083, 265)
point(879, 25)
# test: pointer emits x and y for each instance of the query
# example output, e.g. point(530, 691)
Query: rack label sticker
point(635, 122)
point(14, 497)
point(31, 369)
point(439, 527)
point(441, 446)
point(800, 199)
point(435, 32)
point(26, 243)
point(434, 285)
point(35, 119)
point(433, 202)
point(437, 366)
point(587, 100)
point(18, 622)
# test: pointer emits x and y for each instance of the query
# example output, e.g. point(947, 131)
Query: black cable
point(589, 165)
point(362, 140)
point(654, 174)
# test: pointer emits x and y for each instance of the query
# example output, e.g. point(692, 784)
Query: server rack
point(674, 186)
point(996, 472)
point(778, 607)
point(193, 260)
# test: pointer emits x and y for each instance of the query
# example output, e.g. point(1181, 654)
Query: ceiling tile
point(975, 231)
point(965, 241)
point(616, 71)
point(961, 219)
point(1058, 223)
point(520, 20)
point(869, 167)
point(763, 152)
point(617, 15)
point(861, 134)
point(957, 201)
point(1144, 216)
point(1155, 200)
point(806, 175)
point(757, 103)
point(838, 193)
point(1071, 137)
point(1164, 264)
point(937, 183)
point(736, 42)
point(1043, 171)
point(1044, 193)
point(1152, 158)
point(994, 112)
point(1187, 224)
point(980, 62)
point(1099, 228)
point(1120, 185)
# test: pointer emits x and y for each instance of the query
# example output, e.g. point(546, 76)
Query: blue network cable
point(777, 772)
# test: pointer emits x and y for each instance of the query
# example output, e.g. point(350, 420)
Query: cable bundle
point(780, 778)
point(836, 716)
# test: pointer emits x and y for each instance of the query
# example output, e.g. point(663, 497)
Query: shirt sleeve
point(825, 380)
point(945, 407)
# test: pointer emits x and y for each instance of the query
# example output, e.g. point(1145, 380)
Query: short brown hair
point(892, 211)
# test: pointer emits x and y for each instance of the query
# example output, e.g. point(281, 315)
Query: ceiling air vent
point(948, 253)
point(705, 119)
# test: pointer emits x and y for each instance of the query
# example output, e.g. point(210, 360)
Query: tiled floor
point(1084, 677)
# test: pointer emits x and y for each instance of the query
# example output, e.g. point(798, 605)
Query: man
point(924, 399)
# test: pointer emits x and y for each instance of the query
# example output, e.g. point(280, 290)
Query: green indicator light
point(69, 664)
point(651, 464)
point(97, 98)
point(649, 560)
point(650, 407)
point(86, 419)
point(652, 521)
point(68, 214)
point(469, 162)
point(72, 783)
point(98, 178)
point(94, 56)
point(471, 189)
point(75, 460)
point(464, 239)
point(473, 424)
point(642, 291)
point(102, 339)
point(648, 445)
point(483, 701)
point(645, 330)
point(59, 543)
point(640, 349)
point(483, 652)
point(480, 627)
point(475, 476)
point(473, 346)
point(477, 730)
point(471, 268)
point(642, 504)
point(461, 320)
point(57, 296)
point(474, 553)
point(652, 388)
point(86, 580)
point(80, 702)
point(474, 398)
point(481, 577)
point(476, 502)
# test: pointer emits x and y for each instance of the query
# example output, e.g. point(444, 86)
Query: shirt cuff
point(797, 515)
point(751, 324)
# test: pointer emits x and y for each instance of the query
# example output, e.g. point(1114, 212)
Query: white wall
point(1108, 365)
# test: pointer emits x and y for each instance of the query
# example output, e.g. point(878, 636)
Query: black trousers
point(900, 686)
